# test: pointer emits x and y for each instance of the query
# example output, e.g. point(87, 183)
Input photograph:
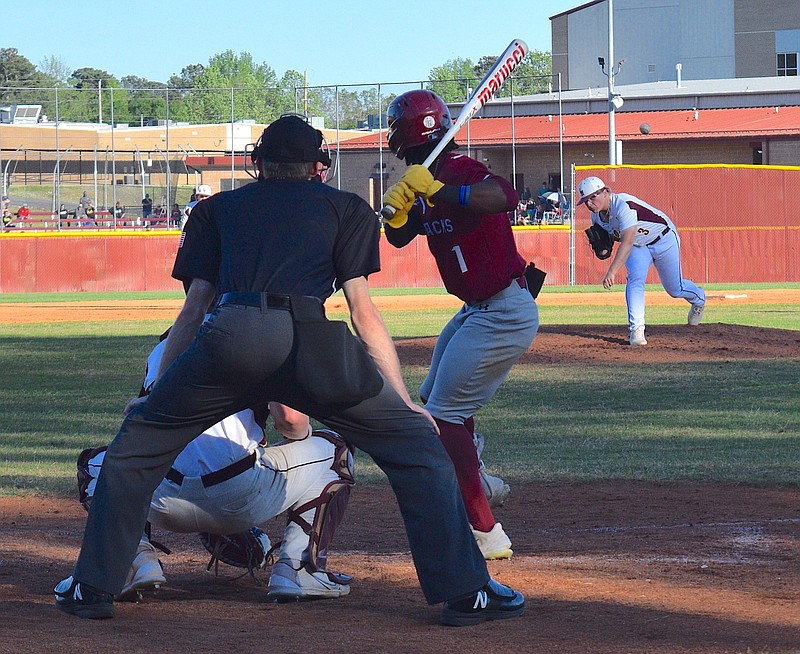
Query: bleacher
point(45, 221)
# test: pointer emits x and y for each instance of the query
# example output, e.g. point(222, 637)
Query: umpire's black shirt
point(288, 237)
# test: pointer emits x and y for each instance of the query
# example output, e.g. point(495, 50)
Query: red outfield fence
point(737, 224)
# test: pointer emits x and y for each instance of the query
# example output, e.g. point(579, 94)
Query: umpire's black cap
point(290, 139)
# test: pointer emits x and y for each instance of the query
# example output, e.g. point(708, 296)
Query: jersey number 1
point(461, 263)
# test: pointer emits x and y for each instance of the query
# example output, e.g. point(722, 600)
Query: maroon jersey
point(475, 253)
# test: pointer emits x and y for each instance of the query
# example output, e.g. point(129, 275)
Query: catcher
point(227, 480)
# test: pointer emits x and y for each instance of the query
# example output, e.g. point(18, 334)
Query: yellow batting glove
point(420, 181)
point(401, 199)
point(399, 218)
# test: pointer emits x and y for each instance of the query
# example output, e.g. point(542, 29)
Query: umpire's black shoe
point(492, 602)
point(84, 601)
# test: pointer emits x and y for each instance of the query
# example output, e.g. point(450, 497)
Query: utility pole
point(614, 101)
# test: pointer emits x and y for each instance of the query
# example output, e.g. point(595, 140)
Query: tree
point(534, 74)
point(54, 71)
point(187, 79)
point(353, 106)
point(453, 79)
point(84, 102)
point(146, 99)
point(16, 70)
point(17, 75)
point(254, 90)
point(180, 86)
point(294, 96)
point(83, 78)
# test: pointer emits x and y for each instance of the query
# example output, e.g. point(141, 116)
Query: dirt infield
point(100, 310)
point(617, 567)
point(623, 568)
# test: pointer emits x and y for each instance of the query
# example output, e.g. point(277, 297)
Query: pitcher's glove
point(600, 240)
point(246, 549)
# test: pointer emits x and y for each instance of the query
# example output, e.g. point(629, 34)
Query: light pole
point(5, 170)
point(57, 172)
point(614, 101)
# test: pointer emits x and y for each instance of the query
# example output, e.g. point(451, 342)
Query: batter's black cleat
point(76, 598)
point(492, 602)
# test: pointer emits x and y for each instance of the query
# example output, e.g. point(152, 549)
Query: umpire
point(272, 252)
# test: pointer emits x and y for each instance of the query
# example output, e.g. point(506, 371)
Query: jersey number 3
point(460, 256)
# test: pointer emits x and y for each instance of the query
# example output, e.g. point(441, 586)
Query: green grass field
point(64, 386)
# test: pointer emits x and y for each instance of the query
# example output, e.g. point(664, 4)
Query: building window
point(787, 64)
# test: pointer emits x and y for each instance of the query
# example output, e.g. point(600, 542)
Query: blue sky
point(334, 42)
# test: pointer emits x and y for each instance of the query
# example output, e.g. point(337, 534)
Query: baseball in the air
point(644, 128)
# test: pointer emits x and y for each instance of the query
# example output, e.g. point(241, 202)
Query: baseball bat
point(490, 84)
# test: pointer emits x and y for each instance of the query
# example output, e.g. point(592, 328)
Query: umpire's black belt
point(658, 238)
point(214, 478)
point(254, 299)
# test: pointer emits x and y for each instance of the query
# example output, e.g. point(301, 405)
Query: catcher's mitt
point(246, 549)
point(600, 240)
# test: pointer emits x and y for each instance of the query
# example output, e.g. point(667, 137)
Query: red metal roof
point(758, 122)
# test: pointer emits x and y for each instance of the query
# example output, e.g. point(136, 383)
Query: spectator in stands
point(530, 211)
point(521, 214)
point(85, 201)
point(175, 215)
point(63, 214)
point(91, 215)
point(8, 217)
point(201, 193)
point(544, 190)
point(118, 214)
point(526, 194)
point(4, 202)
point(23, 213)
point(80, 214)
point(147, 207)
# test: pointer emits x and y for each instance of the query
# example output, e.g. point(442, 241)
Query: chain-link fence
point(120, 147)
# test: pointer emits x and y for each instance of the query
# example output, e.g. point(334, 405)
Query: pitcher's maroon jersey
point(475, 253)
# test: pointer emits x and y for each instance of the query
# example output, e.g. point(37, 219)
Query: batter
point(462, 208)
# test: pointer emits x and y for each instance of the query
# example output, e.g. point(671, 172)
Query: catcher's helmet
point(414, 118)
point(588, 186)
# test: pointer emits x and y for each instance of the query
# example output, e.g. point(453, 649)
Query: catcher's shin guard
point(88, 465)
point(328, 509)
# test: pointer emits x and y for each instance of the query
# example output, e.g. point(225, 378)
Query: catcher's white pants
point(284, 476)
point(665, 255)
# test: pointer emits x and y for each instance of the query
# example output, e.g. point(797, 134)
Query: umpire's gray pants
point(241, 357)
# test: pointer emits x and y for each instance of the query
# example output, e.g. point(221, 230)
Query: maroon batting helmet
point(414, 118)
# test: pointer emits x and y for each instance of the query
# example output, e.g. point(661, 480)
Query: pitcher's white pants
point(665, 255)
